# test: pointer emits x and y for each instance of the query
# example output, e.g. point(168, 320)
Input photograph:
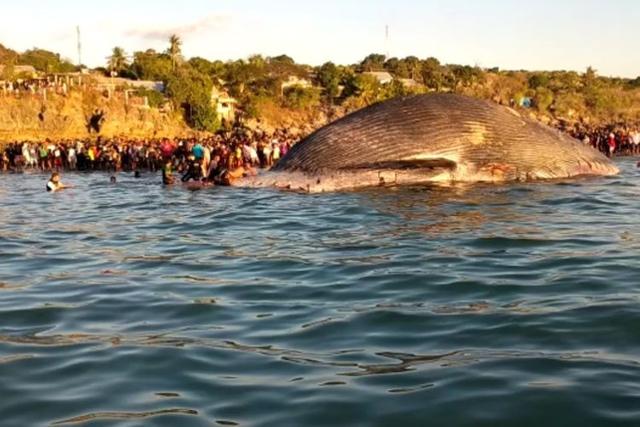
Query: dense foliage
point(190, 90)
point(278, 82)
point(45, 61)
point(42, 60)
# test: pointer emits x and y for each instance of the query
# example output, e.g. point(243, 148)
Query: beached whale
point(431, 138)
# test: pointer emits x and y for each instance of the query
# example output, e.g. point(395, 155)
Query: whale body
point(431, 138)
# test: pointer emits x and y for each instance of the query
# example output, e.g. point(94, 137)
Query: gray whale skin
point(437, 138)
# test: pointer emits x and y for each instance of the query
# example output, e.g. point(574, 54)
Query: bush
point(363, 86)
point(155, 98)
point(568, 104)
point(299, 98)
point(543, 99)
point(538, 81)
point(128, 74)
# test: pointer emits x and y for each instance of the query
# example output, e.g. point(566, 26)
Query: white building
point(295, 81)
point(382, 77)
point(224, 105)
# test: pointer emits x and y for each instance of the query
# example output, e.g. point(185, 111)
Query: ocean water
point(476, 305)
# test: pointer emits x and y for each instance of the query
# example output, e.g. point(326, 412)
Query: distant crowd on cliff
point(220, 158)
point(33, 87)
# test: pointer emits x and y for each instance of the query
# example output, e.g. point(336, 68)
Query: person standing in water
point(55, 184)
point(167, 173)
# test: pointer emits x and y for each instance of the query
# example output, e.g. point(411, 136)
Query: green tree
point(175, 50)
point(282, 59)
point(214, 69)
point(363, 86)
point(464, 76)
point(392, 65)
point(284, 66)
point(539, 80)
point(565, 81)
point(243, 74)
point(329, 77)
point(203, 66)
point(373, 62)
point(300, 98)
point(590, 77)
point(7, 72)
point(190, 91)
point(634, 83)
point(543, 99)
point(432, 73)
point(150, 65)
point(8, 56)
point(258, 62)
point(413, 67)
point(568, 104)
point(393, 90)
point(117, 62)
point(46, 61)
point(155, 98)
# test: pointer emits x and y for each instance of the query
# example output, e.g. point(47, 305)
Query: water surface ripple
point(477, 305)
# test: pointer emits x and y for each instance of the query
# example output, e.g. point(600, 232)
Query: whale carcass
point(431, 138)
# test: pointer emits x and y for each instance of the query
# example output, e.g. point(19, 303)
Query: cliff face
point(63, 117)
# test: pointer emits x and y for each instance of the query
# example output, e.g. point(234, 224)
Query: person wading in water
point(54, 183)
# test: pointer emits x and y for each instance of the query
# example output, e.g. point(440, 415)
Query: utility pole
point(79, 46)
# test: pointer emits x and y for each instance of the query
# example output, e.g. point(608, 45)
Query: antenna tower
point(386, 41)
point(79, 46)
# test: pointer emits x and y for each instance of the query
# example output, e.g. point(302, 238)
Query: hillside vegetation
point(267, 99)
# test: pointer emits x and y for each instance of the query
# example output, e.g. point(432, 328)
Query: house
point(223, 104)
point(382, 77)
point(295, 81)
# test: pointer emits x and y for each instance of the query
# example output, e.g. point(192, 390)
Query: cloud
point(210, 23)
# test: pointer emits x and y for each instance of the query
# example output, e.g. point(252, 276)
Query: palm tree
point(175, 50)
point(118, 60)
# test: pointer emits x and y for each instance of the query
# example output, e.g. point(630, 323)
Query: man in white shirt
point(72, 158)
point(636, 142)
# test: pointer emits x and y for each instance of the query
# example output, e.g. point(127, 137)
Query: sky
point(510, 34)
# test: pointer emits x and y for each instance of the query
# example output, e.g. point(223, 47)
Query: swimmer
point(112, 180)
point(234, 171)
point(167, 173)
point(54, 183)
point(194, 170)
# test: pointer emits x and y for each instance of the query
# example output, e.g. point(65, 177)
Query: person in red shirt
point(167, 148)
point(612, 144)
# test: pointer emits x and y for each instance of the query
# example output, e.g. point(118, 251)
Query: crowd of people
point(34, 87)
point(610, 140)
point(217, 159)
